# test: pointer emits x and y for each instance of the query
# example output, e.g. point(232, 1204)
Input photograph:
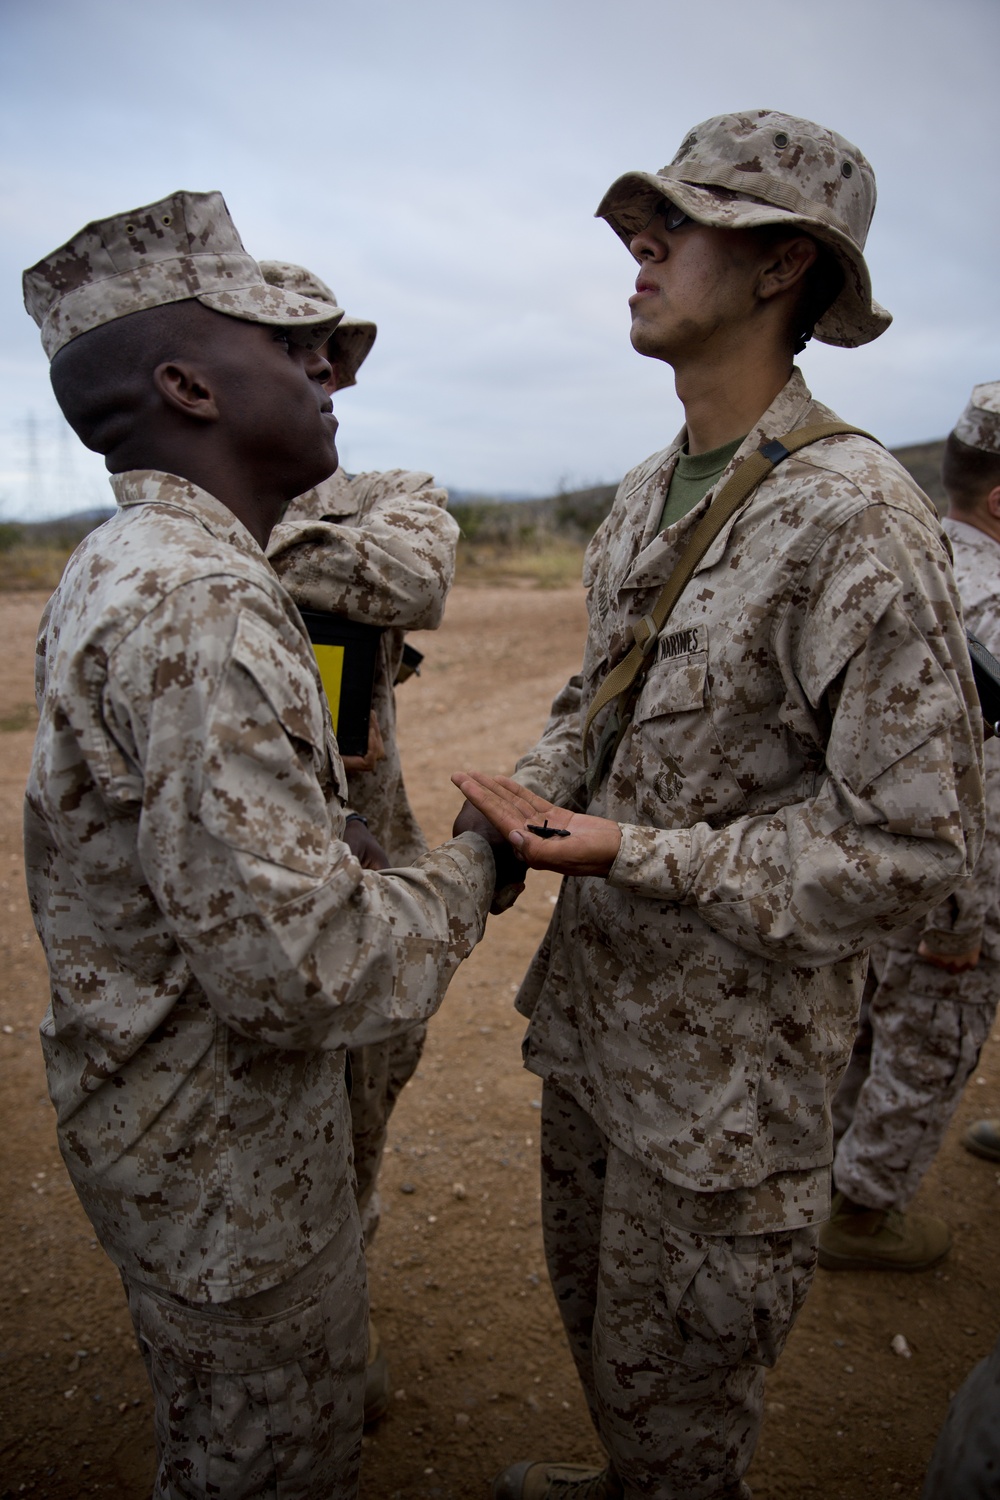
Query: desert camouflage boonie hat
point(979, 424)
point(760, 167)
point(183, 248)
point(353, 338)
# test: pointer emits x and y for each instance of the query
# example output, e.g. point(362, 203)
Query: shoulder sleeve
point(391, 563)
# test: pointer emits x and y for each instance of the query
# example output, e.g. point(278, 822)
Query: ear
point(785, 265)
point(185, 390)
point(993, 502)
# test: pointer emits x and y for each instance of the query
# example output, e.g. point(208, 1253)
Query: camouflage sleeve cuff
point(956, 924)
point(653, 862)
point(477, 859)
point(948, 941)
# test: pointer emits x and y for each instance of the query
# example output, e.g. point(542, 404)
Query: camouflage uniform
point(928, 1026)
point(213, 946)
point(379, 548)
point(802, 772)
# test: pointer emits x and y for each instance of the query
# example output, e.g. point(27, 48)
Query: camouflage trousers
point(379, 1072)
point(671, 1330)
point(261, 1398)
point(913, 1056)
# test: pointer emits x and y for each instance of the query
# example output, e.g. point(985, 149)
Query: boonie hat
point(979, 424)
point(186, 247)
point(742, 171)
point(353, 338)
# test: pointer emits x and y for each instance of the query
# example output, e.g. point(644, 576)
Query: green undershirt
point(692, 479)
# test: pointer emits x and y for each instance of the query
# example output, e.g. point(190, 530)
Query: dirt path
point(479, 1371)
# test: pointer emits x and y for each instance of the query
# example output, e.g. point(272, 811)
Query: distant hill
point(62, 531)
point(576, 514)
point(573, 515)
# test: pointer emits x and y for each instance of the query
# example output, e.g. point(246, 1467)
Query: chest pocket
point(267, 773)
point(681, 774)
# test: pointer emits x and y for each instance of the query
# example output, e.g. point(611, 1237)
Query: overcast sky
point(439, 165)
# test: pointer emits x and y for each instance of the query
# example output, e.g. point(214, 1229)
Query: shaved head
point(236, 406)
point(103, 380)
point(968, 474)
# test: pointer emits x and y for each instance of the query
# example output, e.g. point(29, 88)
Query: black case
point(347, 654)
point(986, 671)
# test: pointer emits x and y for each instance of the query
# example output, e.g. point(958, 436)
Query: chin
point(644, 341)
point(324, 466)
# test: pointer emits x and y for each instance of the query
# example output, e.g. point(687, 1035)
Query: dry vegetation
point(519, 543)
point(27, 567)
point(33, 555)
point(552, 563)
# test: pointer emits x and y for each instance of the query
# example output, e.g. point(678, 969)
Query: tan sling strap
point(622, 679)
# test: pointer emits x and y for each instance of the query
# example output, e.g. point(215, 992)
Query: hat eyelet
point(846, 170)
point(130, 229)
point(781, 140)
point(165, 219)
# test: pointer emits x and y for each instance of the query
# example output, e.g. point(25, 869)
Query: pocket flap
point(265, 749)
point(675, 683)
point(289, 689)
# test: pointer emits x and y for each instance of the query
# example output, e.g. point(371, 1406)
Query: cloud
point(439, 164)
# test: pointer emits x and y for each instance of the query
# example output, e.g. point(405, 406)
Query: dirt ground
point(479, 1372)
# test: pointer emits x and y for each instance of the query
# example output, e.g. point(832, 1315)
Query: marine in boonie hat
point(761, 167)
point(979, 424)
point(352, 339)
point(185, 247)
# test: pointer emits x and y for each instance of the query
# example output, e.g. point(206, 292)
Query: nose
point(317, 366)
point(648, 243)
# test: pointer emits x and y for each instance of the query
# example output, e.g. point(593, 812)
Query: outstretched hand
point(589, 847)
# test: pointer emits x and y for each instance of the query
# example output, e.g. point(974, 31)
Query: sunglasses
point(673, 217)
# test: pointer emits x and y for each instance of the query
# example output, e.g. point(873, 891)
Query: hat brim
point(352, 341)
point(309, 321)
point(853, 318)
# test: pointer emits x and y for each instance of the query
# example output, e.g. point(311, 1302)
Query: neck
point(222, 477)
point(723, 399)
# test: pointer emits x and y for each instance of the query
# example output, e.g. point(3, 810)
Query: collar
point(966, 531)
point(153, 487)
point(334, 496)
point(791, 408)
point(787, 411)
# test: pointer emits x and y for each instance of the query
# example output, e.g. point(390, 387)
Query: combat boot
point(376, 1379)
point(543, 1481)
point(983, 1139)
point(856, 1238)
